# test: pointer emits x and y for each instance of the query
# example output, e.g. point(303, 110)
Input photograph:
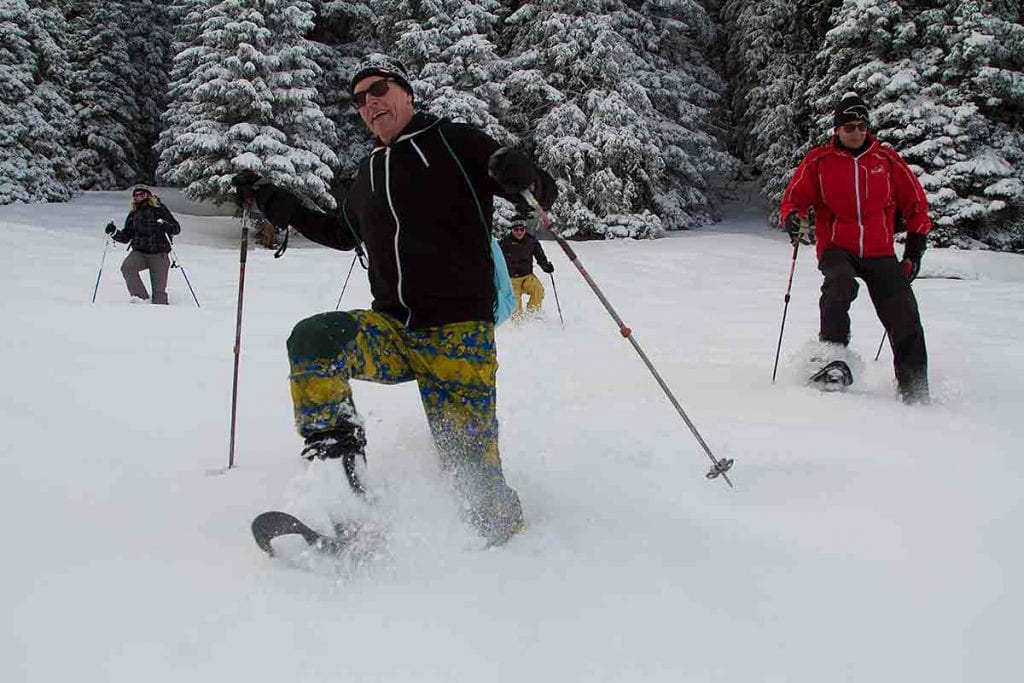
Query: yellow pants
point(455, 367)
point(531, 287)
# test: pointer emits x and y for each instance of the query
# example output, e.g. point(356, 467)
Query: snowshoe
point(270, 525)
point(835, 376)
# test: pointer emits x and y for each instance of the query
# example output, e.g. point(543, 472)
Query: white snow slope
point(864, 540)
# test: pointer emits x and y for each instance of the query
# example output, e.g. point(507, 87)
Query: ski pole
point(96, 288)
point(345, 286)
point(885, 333)
point(785, 309)
point(238, 328)
point(175, 263)
point(557, 305)
point(719, 466)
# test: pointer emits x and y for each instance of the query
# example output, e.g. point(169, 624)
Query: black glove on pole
point(513, 170)
point(245, 187)
point(798, 228)
point(719, 467)
point(913, 251)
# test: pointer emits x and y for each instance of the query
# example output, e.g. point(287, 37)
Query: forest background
point(648, 113)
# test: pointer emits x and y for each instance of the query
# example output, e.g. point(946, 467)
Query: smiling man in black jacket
point(421, 205)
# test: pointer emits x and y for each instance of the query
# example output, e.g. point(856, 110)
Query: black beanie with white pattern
point(851, 108)
point(381, 65)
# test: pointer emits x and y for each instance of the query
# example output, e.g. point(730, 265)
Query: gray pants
point(158, 266)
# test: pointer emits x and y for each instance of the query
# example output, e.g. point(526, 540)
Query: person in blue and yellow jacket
point(421, 204)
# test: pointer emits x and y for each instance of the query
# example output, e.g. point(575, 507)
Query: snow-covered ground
point(864, 541)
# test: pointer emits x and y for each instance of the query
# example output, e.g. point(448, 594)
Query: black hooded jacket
point(519, 254)
point(423, 207)
point(148, 227)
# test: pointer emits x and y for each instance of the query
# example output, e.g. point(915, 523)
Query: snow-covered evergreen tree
point(940, 81)
point(770, 47)
point(249, 103)
point(982, 80)
point(106, 108)
point(446, 44)
point(583, 94)
point(345, 31)
point(182, 109)
point(149, 33)
point(35, 115)
point(686, 90)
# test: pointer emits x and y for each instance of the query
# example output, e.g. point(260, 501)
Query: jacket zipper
point(391, 204)
point(856, 192)
point(398, 231)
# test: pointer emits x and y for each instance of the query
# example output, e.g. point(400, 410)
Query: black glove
point(512, 170)
point(246, 183)
point(798, 228)
point(110, 229)
point(276, 204)
point(547, 267)
point(912, 253)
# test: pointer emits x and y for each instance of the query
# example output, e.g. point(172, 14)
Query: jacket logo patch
point(877, 169)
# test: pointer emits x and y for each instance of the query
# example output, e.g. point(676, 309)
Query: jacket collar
point(420, 123)
point(869, 142)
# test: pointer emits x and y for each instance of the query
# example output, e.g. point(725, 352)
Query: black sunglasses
point(854, 127)
point(377, 89)
point(141, 193)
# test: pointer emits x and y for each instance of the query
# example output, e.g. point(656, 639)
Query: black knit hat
point(851, 108)
point(380, 65)
point(520, 220)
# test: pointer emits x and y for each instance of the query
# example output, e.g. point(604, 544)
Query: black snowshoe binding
point(348, 445)
point(835, 376)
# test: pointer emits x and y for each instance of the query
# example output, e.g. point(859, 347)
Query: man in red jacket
point(856, 186)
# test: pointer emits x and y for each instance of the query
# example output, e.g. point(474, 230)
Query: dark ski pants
point(158, 266)
point(455, 367)
point(894, 303)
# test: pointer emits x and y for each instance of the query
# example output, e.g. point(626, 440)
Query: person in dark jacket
point(147, 229)
point(856, 186)
point(520, 249)
point(421, 205)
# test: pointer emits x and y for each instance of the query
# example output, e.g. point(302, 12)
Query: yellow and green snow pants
point(455, 366)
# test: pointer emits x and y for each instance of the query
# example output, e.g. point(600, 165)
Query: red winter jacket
point(855, 197)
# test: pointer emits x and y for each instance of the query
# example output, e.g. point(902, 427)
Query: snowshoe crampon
point(835, 376)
